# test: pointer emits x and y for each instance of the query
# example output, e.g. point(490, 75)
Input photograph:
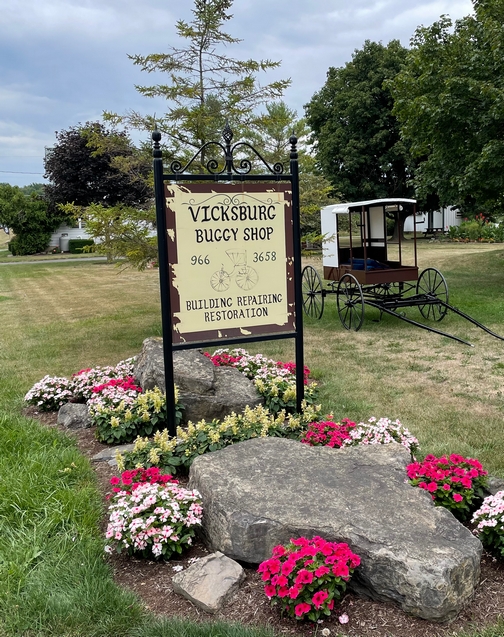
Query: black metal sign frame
point(232, 170)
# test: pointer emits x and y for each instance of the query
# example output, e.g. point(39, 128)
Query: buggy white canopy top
point(340, 208)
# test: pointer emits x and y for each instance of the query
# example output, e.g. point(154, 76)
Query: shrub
point(489, 519)
point(178, 453)
point(121, 414)
point(50, 393)
point(455, 483)
point(77, 246)
point(29, 243)
point(153, 520)
point(307, 576)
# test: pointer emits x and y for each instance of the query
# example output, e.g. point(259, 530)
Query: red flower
point(294, 591)
point(341, 570)
point(304, 577)
point(319, 598)
point(301, 609)
point(321, 571)
point(270, 590)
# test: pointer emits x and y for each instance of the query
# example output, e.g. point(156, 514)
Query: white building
point(434, 222)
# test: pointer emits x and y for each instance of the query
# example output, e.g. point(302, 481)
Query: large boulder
point(206, 391)
point(262, 492)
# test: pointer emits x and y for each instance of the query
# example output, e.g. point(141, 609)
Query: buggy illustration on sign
point(368, 263)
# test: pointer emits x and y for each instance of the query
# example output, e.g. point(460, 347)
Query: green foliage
point(357, 140)
point(124, 422)
point(28, 217)
point(120, 231)
point(448, 99)
point(33, 243)
point(177, 454)
point(280, 394)
point(203, 87)
point(76, 246)
point(477, 229)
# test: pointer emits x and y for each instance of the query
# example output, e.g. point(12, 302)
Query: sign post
point(229, 255)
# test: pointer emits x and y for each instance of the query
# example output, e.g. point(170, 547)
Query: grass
point(59, 318)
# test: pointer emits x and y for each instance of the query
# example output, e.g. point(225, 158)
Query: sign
point(231, 260)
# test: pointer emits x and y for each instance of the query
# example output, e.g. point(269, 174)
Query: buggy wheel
point(350, 302)
point(432, 284)
point(220, 280)
point(313, 294)
point(246, 278)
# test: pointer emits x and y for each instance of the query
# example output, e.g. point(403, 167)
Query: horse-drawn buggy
point(368, 261)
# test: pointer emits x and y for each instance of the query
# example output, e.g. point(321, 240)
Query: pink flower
point(294, 591)
point(304, 577)
point(340, 569)
point(301, 609)
point(432, 486)
point(446, 487)
point(457, 497)
point(270, 591)
point(321, 571)
point(288, 567)
point(319, 598)
point(343, 619)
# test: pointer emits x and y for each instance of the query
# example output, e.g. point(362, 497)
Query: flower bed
point(274, 380)
point(118, 408)
point(175, 454)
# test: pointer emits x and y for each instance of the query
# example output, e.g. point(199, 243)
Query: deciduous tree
point(449, 99)
point(93, 164)
point(356, 136)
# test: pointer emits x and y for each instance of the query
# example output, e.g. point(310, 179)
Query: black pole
point(164, 281)
point(298, 293)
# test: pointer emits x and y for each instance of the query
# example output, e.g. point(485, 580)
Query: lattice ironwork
point(229, 163)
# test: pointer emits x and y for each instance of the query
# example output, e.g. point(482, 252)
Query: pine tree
point(204, 87)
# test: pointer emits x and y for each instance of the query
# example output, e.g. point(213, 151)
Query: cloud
point(63, 62)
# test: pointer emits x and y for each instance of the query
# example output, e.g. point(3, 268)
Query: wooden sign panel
point(230, 253)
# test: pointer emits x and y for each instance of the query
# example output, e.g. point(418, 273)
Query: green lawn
point(59, 318)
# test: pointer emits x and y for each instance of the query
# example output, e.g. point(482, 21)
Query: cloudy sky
point(63, 62)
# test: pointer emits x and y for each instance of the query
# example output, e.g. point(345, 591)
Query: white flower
point(178, 568)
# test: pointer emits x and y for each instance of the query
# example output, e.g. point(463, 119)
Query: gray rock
point(262, 492)
point(74, 416)
point(495, 485)
point(149, 365)
point(109, 455)
point(210, 582)
point(206, 391)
